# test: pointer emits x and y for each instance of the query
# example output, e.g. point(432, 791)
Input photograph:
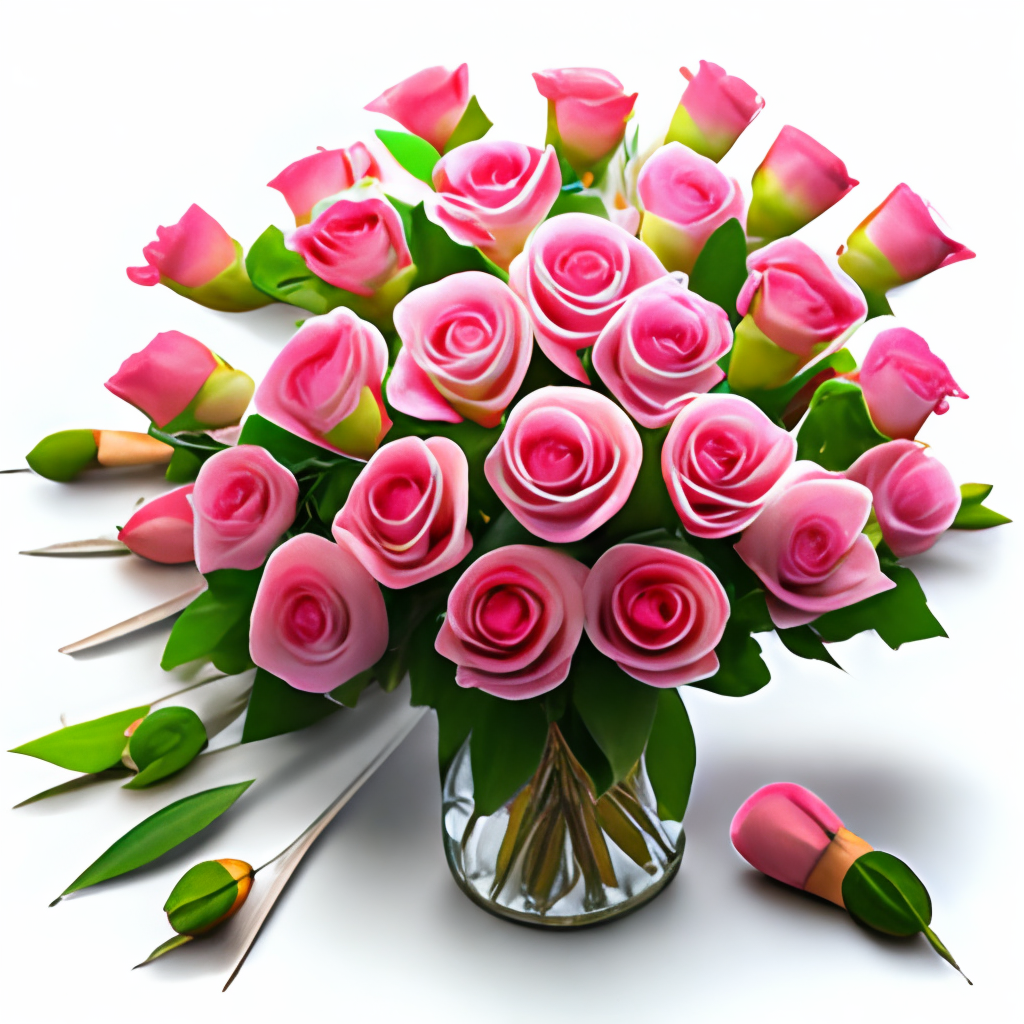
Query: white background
point(115, 118)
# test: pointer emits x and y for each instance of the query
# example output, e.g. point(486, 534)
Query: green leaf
point(972, 515)
point(276, 708)
point(880, 890)
point(878, 304)
point(435, 253)
point(474, 124)
point(165, 947)
point(585, 749)
point(805, 643)
point(721, 268)
point(838, 429)
point(183, 467)
point(293, 452)
point(505, 748)
point(671, 756)
point(350, 692)
point(578, 202)
point(164, 743)
point(774, 402)
point(648, 506)
point(331, 493)
point(742, 670)
point(159, 833)
point(188, 443)
point(416, 155)
point(87, 747)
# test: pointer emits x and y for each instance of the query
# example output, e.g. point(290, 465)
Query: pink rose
point(808, 549)
point(326, 173)
point(244, 499)
point(656, 613)
point(914, 496)
point(589, 108)
point(565, 462)
point(162, 529)
point(466, 346)
point(574, 275)
point(405, 517)
point(430, 103)
point(686, 198)
point(797, 181)
point(662, 345)
point(904, 382)
point(493, 194)
point(899, 241)
point(514, 620)
point(721, 461)
point(325, 384)
point(714, 111)
point(319, 617)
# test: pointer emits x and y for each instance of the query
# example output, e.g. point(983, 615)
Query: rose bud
point(243, 500)
point(181, 385)
point(429, 104)
point(325, 384)
point(904, 382)
point(466, 346)
point(197, 258)
point(162, 743)
point(914, 497)
point(493, 194)
point(162, 529)
point(686, 198)
point(713, 112)
point(656, 613)
point(721, 461)
point(899, 241)
point(807, 547)
point(573, 276)
point(319, 617)
point(662, 346)
point(65, 454)
point(326, 173)
point(514, 620)
point(405, 516)
point(797, 181)
point(565, 462)
point(587, 113)
point(796, 308)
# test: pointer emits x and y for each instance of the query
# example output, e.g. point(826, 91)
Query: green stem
point(943, 952)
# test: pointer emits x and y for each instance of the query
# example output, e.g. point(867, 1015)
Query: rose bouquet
point(567, 427)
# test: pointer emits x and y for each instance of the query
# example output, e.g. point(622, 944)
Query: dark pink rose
point(326, 173)
point(162, 529)
point(430, 103)
point(191, 253)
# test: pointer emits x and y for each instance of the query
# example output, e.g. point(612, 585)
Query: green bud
point(164, 743)
point(62, 456)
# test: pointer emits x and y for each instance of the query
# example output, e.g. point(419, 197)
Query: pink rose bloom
point(574, 275)
point(565, 462)
point(325, 384)
point(904, 382)
point(319, 617)
point(662, 346)
point(808, 549)
point(914, 496)
point(243, 500)
point(797, 181)
point(162, 529)
point(326, 173)
point(191, 253)
point(466, 346)
point(430, 103)
point(714, 111)
point(589, 107)
point(656, 613)
point(493, 194)
point(405, 517)
point(721, 461)
point(686, 198)
point(514, 620)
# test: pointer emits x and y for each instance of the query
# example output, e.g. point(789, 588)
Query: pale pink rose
point(430, 103)
point(326, 173)
point(686, 198)
point(190, 253)
point(466, 346)
point(514, 620)
point(589, 108)
point(662, 345)
point(325, 384)
point(807, 547)
point(904, 382)
point(656, 613)
point(574, 275)
point(243, 500)
point(914, 496)
point(721, 461)
point(319, 617)
point(162, 529)
point(405, 517)
point(565, 462)
point(493, 194)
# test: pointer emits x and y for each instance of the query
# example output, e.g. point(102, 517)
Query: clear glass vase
point(557, 855)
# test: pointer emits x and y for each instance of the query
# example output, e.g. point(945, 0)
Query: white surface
point(116, 117)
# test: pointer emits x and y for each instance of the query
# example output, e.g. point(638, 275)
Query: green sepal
point(201, 897)
point(165, 742)
point(721, 269)
point(183, 467)
point(63, 455)
point(972, 515)
point(775, 402)
point(416, 155)
point(878, 304)
point(87, 747)
point(505, 748)
point(165, 947)
point(671, 756)
point(276, 708)
point(838, 427)
point(805, 643)
point(231, 291)
point(576, 201)
point(474, 124)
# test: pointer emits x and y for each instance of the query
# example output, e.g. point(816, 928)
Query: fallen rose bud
point(326, 173)
point(65, 454)
point(429, 103)
point(162, 529)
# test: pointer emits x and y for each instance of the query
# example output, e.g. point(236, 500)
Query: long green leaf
point(276, 708)
point(721, 268)
point(838, 428)
point(86, 747)
point(972, 515)
point(671, 756)
point(505, 749)
point(416, 155)
point(805, 643)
